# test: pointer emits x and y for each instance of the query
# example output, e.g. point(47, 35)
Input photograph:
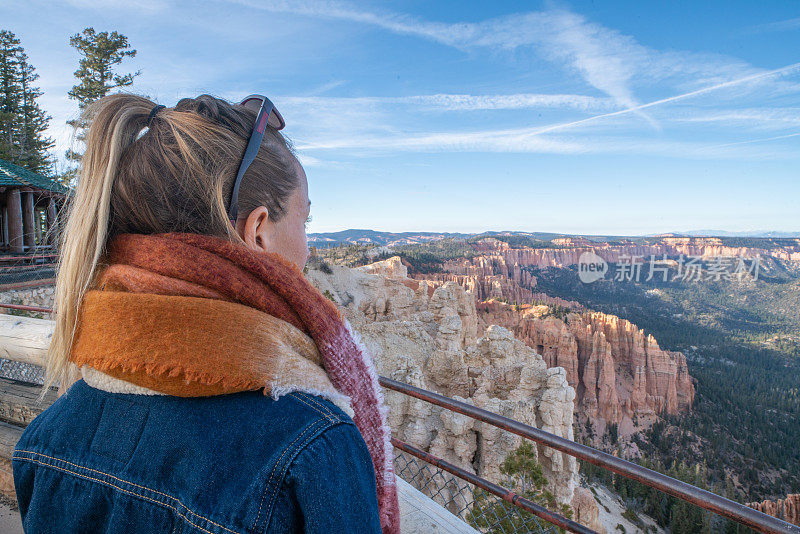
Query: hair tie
point(153, 113)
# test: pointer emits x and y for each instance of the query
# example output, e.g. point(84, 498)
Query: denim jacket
point(98, 461)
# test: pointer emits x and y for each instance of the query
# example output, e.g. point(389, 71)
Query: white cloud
point(358, 125)
point(309, 161)
point(506, 141)
point(598, 54)
point(779, 26)
point(608, 60)
point(481, 141)
point(332, 118)
point(539, 139)
point(324, 88)
point(455, 102)
point(461, 102)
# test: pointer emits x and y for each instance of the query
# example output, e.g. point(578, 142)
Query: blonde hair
point(175, 177)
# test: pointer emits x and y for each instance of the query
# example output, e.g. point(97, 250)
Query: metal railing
point(24, 307)
point(740, 513)
point(705, 499)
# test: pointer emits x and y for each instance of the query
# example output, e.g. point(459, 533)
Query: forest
point(746, 417)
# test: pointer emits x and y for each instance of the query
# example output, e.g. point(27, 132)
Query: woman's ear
point(256, 229)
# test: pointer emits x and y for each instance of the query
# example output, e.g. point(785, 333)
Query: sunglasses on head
point(267, 116)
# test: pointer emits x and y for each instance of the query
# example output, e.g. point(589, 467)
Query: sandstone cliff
point(427, 335)
point(619, 373)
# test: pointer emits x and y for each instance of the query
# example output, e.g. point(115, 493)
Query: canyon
point(620, 374)
point(782, 248)
point(426, 334)
point(622, 380)
point(523, 361)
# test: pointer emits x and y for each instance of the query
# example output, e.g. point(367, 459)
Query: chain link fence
point(480, 509)
point(26, 273)
point(27, 266)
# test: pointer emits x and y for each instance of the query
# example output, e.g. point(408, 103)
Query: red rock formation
point(486, 287)
point(500, 287)
point(571, 242)
point(617, 370)
point(498, 257)
point(787, 509)
point(490, 265)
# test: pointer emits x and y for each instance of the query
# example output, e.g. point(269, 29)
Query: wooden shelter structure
point(29, 204)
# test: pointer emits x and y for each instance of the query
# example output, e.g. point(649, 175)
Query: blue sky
point(578, 117)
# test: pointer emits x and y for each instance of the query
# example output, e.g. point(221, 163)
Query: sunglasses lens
point(275, 120)
point(254, 102)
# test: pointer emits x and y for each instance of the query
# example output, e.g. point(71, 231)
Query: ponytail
point(175, 177)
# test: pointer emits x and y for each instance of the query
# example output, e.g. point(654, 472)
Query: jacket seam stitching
point(277, 463)
point(297, 453)
point(106, 482)
point(327, 415)
point(322, 406)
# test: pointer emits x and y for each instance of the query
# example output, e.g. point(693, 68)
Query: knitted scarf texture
point(193, 315)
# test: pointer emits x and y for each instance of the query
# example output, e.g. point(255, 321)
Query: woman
point(171, 320)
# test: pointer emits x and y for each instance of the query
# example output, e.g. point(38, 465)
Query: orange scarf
point(193, 315)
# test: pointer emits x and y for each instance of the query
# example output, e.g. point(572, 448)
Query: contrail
point(781, 70)
point(756, 140)
point(532, 132)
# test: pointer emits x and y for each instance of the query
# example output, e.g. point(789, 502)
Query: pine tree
point(10, 93)
point(100, 53)
point(524, 475)
point(679, 518)
point(35, 146)
point(22, 122)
